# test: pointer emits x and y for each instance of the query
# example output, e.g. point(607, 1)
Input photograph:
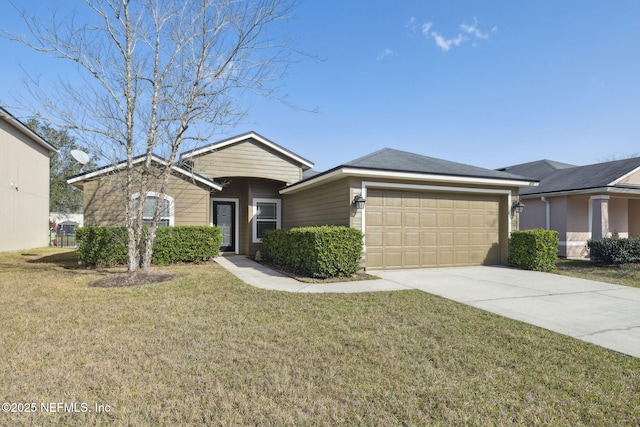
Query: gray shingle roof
point(538, 169)
point(587, 177)
point(401, 161)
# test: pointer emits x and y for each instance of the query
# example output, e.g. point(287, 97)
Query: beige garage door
point(414, 229)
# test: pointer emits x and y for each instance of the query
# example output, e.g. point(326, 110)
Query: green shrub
point(108, 245)
point(535, 249)
point(102, 245)
point(613, 250)
point(321, 252)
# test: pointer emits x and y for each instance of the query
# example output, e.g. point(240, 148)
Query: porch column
point(599, 217)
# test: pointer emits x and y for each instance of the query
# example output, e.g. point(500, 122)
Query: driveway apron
point(600, 313)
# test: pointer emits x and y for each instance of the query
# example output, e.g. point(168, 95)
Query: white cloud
point(447, 43)
point(473, 29)
point(412, 25)
point(382, 55)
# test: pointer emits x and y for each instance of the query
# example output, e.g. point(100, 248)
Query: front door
point(224, 217)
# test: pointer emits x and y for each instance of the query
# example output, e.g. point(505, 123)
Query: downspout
point(547, 212)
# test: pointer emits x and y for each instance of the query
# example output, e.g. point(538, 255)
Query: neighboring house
point(418, 211)
point(581, 202)
point(24, 186)
point(57, 217)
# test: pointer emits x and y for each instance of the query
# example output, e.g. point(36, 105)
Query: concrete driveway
point(600, 313)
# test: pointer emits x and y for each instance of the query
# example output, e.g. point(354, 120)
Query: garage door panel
point(393, 259)
point(411, 219)
point(410, 201)
point(445, 219)
point(374, 258)
point(445, 258)
point(415, 229)
point(411, 239)
point(461, 220)
point(393, 238)
point(428, 219)
point(374, 219)
point(428, 201)
point(428, 239)
point(375, 238)
point(411, 259)
point(462, 238)
point(445, 238)
point(393, 219)
point(462, 257)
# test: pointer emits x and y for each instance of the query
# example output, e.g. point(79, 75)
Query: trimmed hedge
point(102, 245)
point(108, 245)
point(321, 252)
point(535, 249)
point(614, 250)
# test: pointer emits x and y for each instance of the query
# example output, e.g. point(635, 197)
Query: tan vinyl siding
point(104, 201)
point(24, 191)
point(247, 159)
point(326, 204)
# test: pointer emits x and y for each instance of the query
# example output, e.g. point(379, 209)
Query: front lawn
point(620, 275)
point(206, 349)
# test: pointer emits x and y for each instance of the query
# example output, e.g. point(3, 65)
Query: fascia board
point(586, 192)
point(25, 130)
point(626, 175)
point(154, 158)
point(370, 173)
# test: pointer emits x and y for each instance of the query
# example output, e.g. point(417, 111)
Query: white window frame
point(254, 218)
point(157, 195)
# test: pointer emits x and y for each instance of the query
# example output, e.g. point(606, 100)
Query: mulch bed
point(120, 280)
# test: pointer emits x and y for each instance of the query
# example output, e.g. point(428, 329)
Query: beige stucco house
point(581, 202)
point(24, 186)
point(418, 211)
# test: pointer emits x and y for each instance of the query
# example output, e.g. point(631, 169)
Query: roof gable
point(216, 146)
point(537, 169)
point(77, 180)
point(17, 124)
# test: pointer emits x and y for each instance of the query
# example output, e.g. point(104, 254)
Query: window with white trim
point(150, 203)
point(266, 216)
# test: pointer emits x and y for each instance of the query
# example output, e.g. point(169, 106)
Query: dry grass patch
point(628, 275)
point(206, 349)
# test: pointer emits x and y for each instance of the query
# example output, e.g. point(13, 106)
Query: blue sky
point(489, 83)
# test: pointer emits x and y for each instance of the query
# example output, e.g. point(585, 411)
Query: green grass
point(206, 349)
point(620, 275)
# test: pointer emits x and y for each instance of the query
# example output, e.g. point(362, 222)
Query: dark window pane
point(264, 225)
point(266, 210)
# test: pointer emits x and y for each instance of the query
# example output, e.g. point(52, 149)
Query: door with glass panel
point(224, 214)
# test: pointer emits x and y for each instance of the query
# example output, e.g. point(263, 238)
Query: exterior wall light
point(517, 207)
point(359, 201)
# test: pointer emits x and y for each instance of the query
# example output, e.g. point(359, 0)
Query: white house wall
point(24, 191)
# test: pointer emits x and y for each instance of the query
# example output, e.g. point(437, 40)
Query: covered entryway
point(412, 229)
point(224, 215)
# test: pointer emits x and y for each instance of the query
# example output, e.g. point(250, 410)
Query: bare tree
point(158, 74)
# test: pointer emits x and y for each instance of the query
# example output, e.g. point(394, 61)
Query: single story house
point(581, 202)
point(24, 185)
point(416, 211)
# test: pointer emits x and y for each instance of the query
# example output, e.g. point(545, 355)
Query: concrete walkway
point(599, 313)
